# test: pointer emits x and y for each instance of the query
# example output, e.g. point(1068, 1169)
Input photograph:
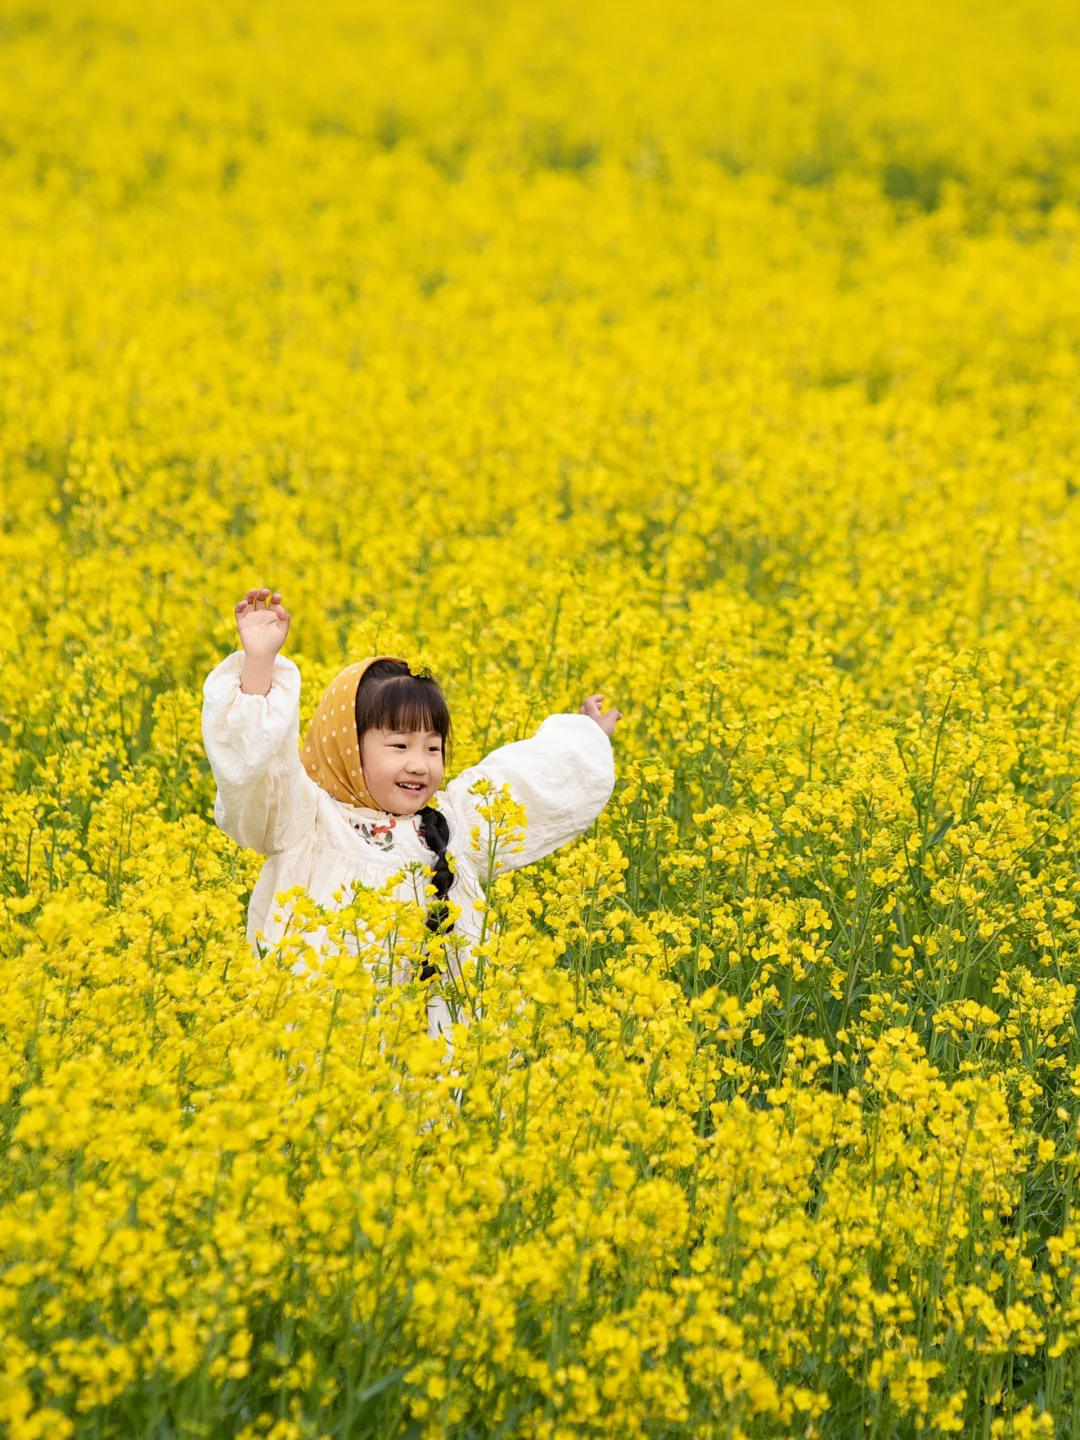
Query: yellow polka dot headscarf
point(331, 749)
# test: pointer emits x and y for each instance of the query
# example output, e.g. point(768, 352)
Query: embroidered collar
point(376, 826)
point(354, 813)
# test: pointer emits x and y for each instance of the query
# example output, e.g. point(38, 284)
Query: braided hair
point(391, 697)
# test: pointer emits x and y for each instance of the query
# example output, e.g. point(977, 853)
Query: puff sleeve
point(563, 776)
point(264, 800)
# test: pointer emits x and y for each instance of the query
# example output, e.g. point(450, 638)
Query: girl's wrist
point(257, 674)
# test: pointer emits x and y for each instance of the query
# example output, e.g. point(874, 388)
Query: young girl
point(352, 803)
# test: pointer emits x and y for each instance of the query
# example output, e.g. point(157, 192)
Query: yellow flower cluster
point(721, 358)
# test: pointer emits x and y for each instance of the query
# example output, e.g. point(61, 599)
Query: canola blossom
point(720, 358)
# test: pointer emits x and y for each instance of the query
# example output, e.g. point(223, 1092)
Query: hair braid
point(436, 835)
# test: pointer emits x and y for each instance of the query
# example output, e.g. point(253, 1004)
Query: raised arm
point(563, 776)
point(251, 731)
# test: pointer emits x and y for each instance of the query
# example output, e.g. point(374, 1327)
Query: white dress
point(563, 776)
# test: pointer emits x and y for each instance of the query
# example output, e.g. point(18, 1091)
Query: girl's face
point(402, 768)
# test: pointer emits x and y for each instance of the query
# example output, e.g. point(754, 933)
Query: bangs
point(403, 703)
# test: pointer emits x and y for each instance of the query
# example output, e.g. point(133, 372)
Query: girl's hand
point(606, 720)
point(263, 624)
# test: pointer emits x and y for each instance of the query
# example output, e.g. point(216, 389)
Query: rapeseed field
point(723, 358)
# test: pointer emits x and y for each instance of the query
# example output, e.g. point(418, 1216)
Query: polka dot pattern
point(331, 737)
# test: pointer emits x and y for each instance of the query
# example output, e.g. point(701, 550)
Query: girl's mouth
point(412, 789)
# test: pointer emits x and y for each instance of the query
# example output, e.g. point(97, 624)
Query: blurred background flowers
point(720, 357)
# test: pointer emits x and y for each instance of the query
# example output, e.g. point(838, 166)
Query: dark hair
point(391, 697)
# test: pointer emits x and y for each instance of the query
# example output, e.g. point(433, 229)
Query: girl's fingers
point(270, 599)
point(261, 593)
